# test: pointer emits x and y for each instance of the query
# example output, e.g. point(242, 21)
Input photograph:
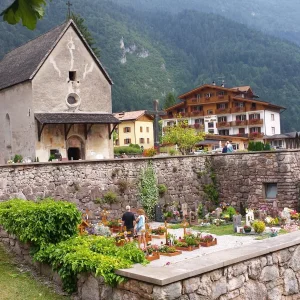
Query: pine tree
point(79, 21)
point(169, 100)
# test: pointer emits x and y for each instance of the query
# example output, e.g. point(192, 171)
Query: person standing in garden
point(128, 220)
point(141, 228)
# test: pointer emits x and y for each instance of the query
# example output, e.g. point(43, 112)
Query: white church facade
point(55, 97)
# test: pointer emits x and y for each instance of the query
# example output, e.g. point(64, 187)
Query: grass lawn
point(17, 285)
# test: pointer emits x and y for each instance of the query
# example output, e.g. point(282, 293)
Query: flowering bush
point(149, 152)
point(294, 214)
point(151, 248)
point(160, 230)
point(259, 226)
point(207, 238)
point(176, 213)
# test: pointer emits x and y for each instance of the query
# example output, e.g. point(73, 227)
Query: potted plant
point(158, 233)
point(114, 225)
point(208, 241)
point(151, 252)
point(168, 250)
point(247, 229)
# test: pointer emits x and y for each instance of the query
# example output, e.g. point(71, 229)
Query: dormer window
point(72, 75)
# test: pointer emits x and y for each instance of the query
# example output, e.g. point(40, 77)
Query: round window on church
point(73, 100)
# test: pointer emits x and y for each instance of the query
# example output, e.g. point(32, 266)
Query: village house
point(136, 127)
point(55, 99)
point(234, 114)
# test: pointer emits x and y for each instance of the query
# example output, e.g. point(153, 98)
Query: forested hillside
point(149, 53)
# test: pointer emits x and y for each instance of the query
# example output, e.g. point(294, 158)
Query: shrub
point(127, 150)
point(18, 158)
point(95, 254)
point(148, 191)
point(259, 226)
point(123, 185)
point(40, 223)
point(230, 211)
point(149, 152)
point(172, 152)
point(110, 197)
point(162, 189)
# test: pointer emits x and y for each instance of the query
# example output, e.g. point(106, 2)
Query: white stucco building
point(55, 97)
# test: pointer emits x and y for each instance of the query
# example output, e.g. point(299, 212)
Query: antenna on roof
point(69, 4)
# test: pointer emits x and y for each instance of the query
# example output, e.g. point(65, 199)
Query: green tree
point(182, 135)
point(29, 11)
point(169, 100)
point(79, 21)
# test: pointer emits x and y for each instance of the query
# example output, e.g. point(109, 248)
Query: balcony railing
point(223, 110)
point(196, 113)
point(255, 122)
point(238, 109)
point(223, 124)
point(255, 135)
point(239, 123)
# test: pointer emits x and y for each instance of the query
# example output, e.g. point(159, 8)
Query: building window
point(273, 130)
point(198, 96)
point(222, 119)
point(221, 106)
point(199, 121)
point(127, 141)
point(147, 129)
point(224, 132)
point(171, 123)
point(272, 117)
point(117, 142)
point(239, 104)
point(254, 117)
point(253, 105)
point(7, 132)
point(127, 129)
point(142, 140)
point(270, 190)
point(211, 131)
point(210, 125)
point(255, 129)
point(197, 108)
point(148, 141)
point(241, 130)
point(210, 112)
point(241, 118)
point(72, 75)
point(141, 129)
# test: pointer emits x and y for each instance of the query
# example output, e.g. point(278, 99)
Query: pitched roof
point(76, 118)
point(22, 63)
point(129, 115)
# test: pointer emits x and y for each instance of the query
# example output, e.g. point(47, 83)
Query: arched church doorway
point(75, 148)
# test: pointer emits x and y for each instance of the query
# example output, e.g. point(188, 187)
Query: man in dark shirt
point(128, 220)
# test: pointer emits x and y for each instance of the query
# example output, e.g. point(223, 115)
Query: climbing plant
point(148, 190)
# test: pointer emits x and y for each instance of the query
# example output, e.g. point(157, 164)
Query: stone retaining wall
point(272, 275)
point(241, 178)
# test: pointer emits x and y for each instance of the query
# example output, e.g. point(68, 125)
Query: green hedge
point(40, 223)
point(258, 146)
point(127, 150)
point(95, 254)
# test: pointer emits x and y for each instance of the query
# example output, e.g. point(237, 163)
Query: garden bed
point(158, 236)
point(189, 248)
point(152, 257)
point(170, 254)
point(209, 244)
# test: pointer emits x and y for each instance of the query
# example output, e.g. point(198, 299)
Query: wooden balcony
point(196, 113)
point(223, 111)
point(256, 135)
point(256, 122)
point(238, 109)
point(223, 124)
point(239, 123)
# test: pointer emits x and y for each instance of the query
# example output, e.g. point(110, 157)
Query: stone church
point(55, 99)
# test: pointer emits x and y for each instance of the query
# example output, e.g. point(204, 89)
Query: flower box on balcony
point(221, 96)
point(222, 123)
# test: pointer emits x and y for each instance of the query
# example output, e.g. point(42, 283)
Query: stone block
point(275, 293)
point(269, 273)
point(235, 283)
point(167, 292)
point(290, 282)
point(294, 263)
point(90, 289)
point(191, 285)
point(255, 291)
point(218, 288)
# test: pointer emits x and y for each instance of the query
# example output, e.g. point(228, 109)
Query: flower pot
point(154, 256)
point(209, 244)
point(189, 248)
point(158, 236)
point(170, 254)
point(247, 230)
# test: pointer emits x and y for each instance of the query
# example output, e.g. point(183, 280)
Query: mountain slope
point(149, 54)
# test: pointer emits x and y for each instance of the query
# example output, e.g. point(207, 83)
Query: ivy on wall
point(148, 190)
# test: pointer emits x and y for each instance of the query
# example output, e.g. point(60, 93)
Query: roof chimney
point(223, 83)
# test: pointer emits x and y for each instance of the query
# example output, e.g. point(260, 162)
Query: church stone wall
point(241, 178)
point(16, 122)
point(51, 85)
